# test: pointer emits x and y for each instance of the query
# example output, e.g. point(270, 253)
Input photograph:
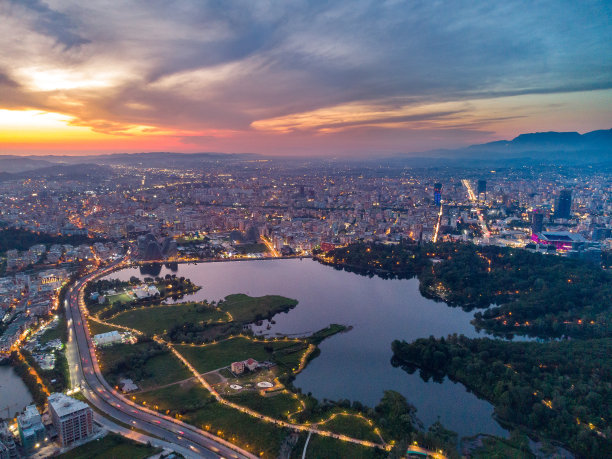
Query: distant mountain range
point(54, 171)
point(571, 147)
point(13, 164)
point(560, 147)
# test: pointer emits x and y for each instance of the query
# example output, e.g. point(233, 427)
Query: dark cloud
point(52, 23)
point(6, 81)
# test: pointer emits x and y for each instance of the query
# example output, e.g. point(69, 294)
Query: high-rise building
point(564, 204)
point(482, 188)
point(437, 193)
point(31, 428)
point(537, 222)
point(72, 418)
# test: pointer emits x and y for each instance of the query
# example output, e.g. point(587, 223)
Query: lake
point(14, 395)
point(354, 365)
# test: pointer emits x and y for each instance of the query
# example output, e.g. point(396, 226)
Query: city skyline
point(354, 79)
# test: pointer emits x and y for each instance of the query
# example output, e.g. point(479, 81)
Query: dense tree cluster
point(403, 260)
point(56, 379)
point(559, 389)
point(133, 365)
point(533, 294)
point(34, 387)
point(562, 389)
point(20, 239)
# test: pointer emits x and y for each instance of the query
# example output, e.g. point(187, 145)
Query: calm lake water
point(14, 395)
point(353, 365)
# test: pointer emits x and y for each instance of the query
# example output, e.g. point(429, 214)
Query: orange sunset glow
point(79, 78)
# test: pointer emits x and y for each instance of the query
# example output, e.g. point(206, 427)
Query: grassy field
point(325, 447)
point(201, 410)
point(164, 369)
point(96, 328)
point(319, 336)
point(120, 298)
point(498, 448)
point(212, 356)
point(353, 427)
point(156, 319)
point(111, 446)
point(276, 406)
point(247, 309)
point(57, 332)
point(158, 370)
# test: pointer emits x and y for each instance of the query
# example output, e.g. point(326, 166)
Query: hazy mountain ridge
point(67, 171)
point(596, 140)
point(13, 163)
point(593, 147)
point(569, 147)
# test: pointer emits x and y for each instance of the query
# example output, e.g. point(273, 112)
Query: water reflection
point(14, 395)
point(354, 365)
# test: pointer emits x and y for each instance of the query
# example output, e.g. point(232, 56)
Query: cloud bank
point(303, 77)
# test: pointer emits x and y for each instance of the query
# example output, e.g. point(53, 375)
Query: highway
point(474, 200)
point(85, 373)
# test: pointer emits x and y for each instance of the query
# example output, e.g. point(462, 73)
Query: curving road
point(85, 373)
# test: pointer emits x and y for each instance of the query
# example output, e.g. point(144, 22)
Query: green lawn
point(111, 446)
point(120, 298)
point(353, 427)
point(57, 332)
point(96, 328)
point(324, 447)
point(164, 369)
point(276, 406)
point(156, 319)
point(201, 410)
point(288, 356)
point(247, 309)
point(210, 357)
point(157, 370)
point(498, 448)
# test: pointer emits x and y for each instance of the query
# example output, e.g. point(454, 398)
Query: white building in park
point(107, 338)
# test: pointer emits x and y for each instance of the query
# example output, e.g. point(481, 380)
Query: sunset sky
point(345, 78)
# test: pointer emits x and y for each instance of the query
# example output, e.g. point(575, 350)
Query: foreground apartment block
point(72, 418)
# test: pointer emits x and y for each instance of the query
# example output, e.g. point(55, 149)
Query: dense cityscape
point(245, 209)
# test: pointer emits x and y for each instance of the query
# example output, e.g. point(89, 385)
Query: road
point(85, 373)
point(474, 200)
point(438, 222)
point(270, 246)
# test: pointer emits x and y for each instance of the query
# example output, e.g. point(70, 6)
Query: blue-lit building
point(437, 193)
point(563, 208)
